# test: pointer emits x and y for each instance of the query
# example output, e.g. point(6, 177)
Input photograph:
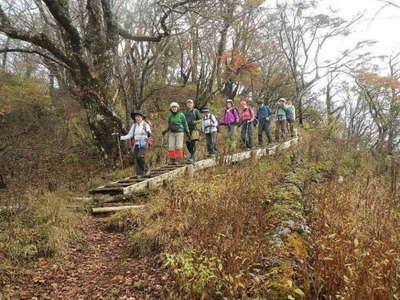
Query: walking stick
point(119, 149)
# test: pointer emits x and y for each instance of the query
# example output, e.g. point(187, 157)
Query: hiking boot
point(190, 160)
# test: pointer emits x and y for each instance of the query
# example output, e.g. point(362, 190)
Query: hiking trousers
point(230, 136)
point(192, 145)
point(247, 134)
point(263, 126)
point(139, 158)
point(290, 128)
point(211, 139)
point(175, 145)
point(280, 129)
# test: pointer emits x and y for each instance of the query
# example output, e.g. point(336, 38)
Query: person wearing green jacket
point(193, 118)
point(290, 117)
point(177, 128)
point(280, 120)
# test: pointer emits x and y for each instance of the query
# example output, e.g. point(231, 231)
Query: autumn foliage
point(241, 69)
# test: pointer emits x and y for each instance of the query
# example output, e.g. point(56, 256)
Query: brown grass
point(354, 223)
point(212, 229)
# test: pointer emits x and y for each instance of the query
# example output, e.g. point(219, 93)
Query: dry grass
point(354, 223)
point(212, 229)
point(40, 226)
point(356, 240)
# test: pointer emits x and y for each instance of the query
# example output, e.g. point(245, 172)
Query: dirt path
point(98, 269)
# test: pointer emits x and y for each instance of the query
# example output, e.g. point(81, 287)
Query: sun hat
point(138, 112)
point(174, 104)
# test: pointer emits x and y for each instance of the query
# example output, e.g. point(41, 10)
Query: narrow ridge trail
point(98, 269)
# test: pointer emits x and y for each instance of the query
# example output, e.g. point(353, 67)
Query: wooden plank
point(102, 210)
point(104, 190)
point(118, 184)
point(203, 164)
point(132, 185)
point(138, 187)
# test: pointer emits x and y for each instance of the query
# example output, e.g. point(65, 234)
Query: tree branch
point(40, 39)
point(390, 3)
point(166, 32)
point(35, 52)
point(60, 13)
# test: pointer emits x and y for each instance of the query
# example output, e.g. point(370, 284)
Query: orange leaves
point(375, 81)
point(241, 69)
point(118, 278)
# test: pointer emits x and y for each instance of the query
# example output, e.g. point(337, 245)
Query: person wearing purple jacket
point(230, 120)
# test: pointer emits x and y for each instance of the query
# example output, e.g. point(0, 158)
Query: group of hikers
point(193, 122)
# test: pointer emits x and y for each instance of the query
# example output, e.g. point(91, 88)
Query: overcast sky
point(380, 25)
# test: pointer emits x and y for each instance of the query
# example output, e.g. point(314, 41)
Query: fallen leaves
point(117, 278)
point(102, 270)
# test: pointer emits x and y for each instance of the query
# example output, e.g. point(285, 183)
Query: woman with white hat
point(177, 127)
point(140, 134)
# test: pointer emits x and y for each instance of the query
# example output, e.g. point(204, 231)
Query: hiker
point(193, 118)
point(247, 119)
point(290, 117)
point(177, 128)
point(230, 120)
point(264, 121)
point(209, 125)
point(140, 133)
point(280, 120)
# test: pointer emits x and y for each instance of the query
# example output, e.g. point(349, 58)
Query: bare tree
point(381, 95)
point(302, 37)
point(83, 48)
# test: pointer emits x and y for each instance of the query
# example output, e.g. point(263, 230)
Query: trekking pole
point(116, 134)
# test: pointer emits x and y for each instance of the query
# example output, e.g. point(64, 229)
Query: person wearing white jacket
point(139, 133)
point(209, 125)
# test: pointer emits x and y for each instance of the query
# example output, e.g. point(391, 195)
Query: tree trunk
point(300, 111)
point(4, 63)
point(103, 122)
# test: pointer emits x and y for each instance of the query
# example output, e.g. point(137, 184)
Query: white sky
point(384, 27)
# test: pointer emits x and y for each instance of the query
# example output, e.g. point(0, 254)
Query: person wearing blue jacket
point(263, 117)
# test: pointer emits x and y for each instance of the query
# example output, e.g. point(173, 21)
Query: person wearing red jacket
point(246, 121)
